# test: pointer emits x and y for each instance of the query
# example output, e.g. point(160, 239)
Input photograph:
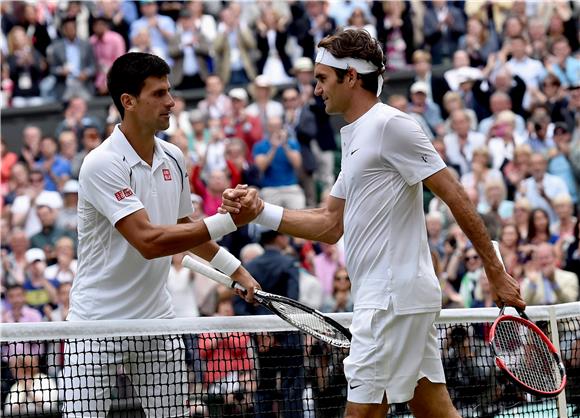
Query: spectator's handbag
point(301, 316)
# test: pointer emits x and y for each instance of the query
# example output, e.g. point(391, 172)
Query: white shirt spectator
point(500, 151)
point(553, 186)
point(528, 69)
point(180, 285)
point(463, 156)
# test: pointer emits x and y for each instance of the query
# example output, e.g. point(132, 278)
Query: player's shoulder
point(102, 157)
point(396, 120)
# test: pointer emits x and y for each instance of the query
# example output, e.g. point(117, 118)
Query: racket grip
point(210, 272)
point(496, 248)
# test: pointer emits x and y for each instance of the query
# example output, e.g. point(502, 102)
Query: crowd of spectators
point(504, 116)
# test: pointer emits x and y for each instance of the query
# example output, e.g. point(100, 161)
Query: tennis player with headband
point(377, 202)
point(134, 212)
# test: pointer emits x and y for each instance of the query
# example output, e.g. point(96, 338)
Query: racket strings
point(311, 323)
point(527, 356)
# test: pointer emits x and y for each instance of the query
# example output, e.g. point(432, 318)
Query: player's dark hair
point(129, 72)
point(356, 43)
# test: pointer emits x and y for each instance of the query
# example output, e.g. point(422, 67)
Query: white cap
point(238, 94)
point(71, 186)
point(262, 81)
point(419, 87)
point(50, 199)
point(303, 64)
point(34, 254)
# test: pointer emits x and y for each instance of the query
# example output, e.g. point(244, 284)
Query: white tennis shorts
point(155, 367)
point(389, 354)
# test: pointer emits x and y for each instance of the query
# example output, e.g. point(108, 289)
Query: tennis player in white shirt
point(377, 204)
point(134, 213)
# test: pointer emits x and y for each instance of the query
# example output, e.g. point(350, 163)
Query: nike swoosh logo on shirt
point(353, 151)
point(354, 387)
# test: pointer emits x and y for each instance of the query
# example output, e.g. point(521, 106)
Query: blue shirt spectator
point(280, 172)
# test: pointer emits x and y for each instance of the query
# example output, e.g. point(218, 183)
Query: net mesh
point(246, 367)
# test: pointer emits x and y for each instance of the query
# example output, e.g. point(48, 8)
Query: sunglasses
point(341, 278)
point(471, 257)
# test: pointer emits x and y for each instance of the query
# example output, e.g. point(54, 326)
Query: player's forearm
point(471, 223)
point(312, 224)
point(164, 240)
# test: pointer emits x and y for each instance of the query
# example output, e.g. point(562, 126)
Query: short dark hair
point(129, 72)
point(14, 286)
point(356, 43)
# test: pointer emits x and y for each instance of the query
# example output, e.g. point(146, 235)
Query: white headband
point(361, 66)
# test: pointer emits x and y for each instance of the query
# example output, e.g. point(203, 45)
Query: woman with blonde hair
point(26, 68)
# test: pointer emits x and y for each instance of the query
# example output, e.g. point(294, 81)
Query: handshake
point(240, 206)
point(242, 203)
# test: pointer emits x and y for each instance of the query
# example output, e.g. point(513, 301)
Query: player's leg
point(361, 410)
point(159, 375)
point(432, 400)
point(367, 367)
point(89, 366)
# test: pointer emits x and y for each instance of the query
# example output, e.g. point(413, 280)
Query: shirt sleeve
point(338, 188)
point(406, 147)
point(107, 186)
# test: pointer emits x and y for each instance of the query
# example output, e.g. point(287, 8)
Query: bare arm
point(504, 287)
point(154, 241)
point(320, 224)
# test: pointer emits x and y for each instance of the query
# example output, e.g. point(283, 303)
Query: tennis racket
point(295, 313)
point(526, 354)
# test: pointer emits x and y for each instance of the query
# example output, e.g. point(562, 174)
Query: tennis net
point(245, 367)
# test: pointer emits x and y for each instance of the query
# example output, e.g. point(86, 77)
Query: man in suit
point(311, 25)
point(443, 25)
point(72, 63)
point(545, 284)
point(278, 273)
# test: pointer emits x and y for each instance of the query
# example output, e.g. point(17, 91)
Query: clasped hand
point(242, 203)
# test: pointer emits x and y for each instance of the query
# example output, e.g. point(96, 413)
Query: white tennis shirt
point(385, 156)
point(114, 281)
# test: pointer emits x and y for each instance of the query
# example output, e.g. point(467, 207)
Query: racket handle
point(496, 248)
point(210, 272)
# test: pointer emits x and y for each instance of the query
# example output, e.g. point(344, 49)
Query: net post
point(562, 406)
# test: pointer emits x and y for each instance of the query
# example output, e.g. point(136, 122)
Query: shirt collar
point(128, 152)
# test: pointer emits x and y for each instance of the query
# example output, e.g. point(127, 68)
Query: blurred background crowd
point(496, 86)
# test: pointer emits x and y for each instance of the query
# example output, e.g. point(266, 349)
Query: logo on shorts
point(121, 194)
point(354, 387)
point(353, 151)
point(166, 174)
point(424, 158)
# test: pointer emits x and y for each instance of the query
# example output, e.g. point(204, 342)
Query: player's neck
point(141, 139)
point(360, 104)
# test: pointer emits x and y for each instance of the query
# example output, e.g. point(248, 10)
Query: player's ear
point(128, 101)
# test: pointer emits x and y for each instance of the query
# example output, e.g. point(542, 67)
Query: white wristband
point(270, 217)
point(225, 262)
point(219, 225)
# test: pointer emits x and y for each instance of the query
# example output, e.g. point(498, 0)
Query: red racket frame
point(500, 363)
